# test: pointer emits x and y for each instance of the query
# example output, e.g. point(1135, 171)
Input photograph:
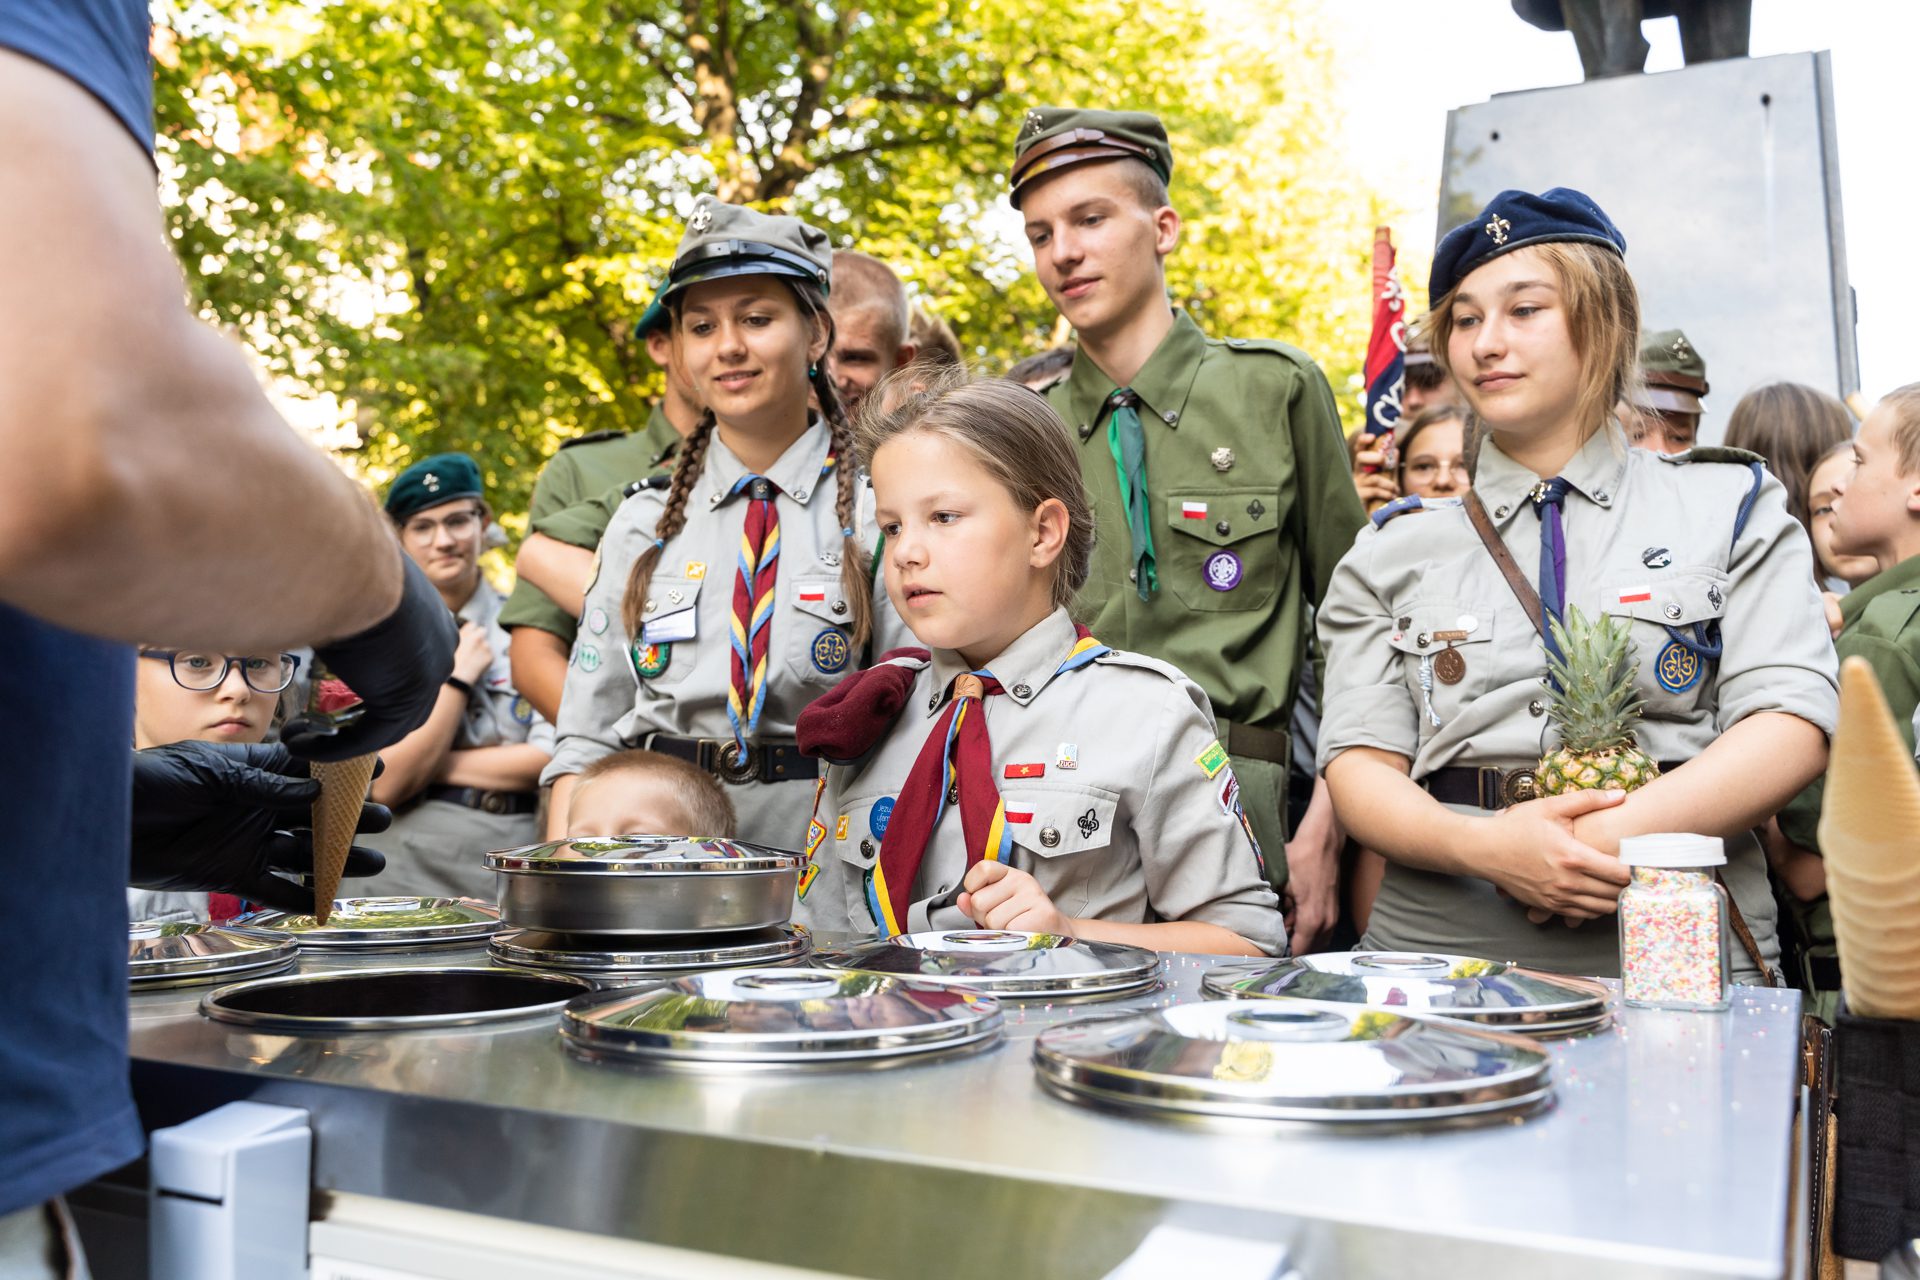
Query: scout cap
point(445, 477)
point(1674, 373)
point(728, 240)
point(654, 317)
point(1056, 138)
point(1514, 220)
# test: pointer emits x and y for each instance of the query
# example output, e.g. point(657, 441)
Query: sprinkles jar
point(1673, 947)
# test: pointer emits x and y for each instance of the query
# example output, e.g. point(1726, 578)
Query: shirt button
point(1421, 640)
point(799, 495)
point(1022, 691)
point(1050, 837)
point(1600, 496)
point(1133, 575)
point(1223, 528)
point(1170, 417)
point(648, 607)
point(1673, 612)
point(1537, 707)
point(866, 848)
point(1500, 513)
point(839, 607)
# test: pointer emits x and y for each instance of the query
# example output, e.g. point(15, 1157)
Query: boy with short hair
point(1876, 514)
point(646, 793)
point(870, 326)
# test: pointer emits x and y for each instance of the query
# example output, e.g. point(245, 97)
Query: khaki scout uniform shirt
point(1879, 621)
point(618, 692)
point(1141, 827)
point(1634, 520)
point(583, 469)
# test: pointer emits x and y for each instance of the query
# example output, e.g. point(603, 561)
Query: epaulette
point(1141, 662)
point(592, 437)
point(661, 481)
point(1054, 381)
point(1713, 453)
point(1398, 507)
point(666, 455)
point(1268, 346)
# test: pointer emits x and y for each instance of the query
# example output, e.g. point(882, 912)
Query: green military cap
point(1055, 138)
point(1674, 374)
point(730, 240)
point(445, 477)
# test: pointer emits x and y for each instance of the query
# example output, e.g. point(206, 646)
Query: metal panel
point(1724, 177)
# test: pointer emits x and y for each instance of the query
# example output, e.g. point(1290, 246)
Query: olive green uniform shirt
point(583, 469)
point(1245, 456)
point(1879, 621)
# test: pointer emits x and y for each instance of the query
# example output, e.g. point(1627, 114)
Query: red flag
point(1387, 346)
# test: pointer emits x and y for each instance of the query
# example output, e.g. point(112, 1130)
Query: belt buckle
point(494, 802)
point(731, 764)
point(1522, 785)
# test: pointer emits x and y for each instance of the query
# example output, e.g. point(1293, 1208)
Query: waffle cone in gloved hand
point(336, 815)
point(1870, 837)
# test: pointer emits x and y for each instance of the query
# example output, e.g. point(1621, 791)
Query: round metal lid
point(1492, 993)
point(176, 954)
point(1292, 1060)
point(361, 924)
point(612, 954)
point(1006, 963)
point(644, 855)
point(780, 1017)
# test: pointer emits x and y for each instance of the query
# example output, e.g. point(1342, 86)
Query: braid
point(855, 581)
point(686, 469)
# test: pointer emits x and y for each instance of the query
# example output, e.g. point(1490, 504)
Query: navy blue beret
point(1513, 220)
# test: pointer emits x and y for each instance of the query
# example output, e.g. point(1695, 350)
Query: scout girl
point(1436, 699)
point(1022, 775)
point(726, 601)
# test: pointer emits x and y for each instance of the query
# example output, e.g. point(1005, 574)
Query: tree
point(449, 214)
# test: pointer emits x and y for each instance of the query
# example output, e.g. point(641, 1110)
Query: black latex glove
point(225, 816)
point(396, 666)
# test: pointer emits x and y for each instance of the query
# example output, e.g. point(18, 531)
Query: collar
point(797, 471)
point(483, 606)
point(1162, 384)
point(1903, 576)
point(1595, 472)
point(1023, 668)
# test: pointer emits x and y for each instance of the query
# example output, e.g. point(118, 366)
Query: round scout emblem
point(597, 621)
point(1223, 571)
point(650, 660)
point(1678, 668)
point(589, 658)
point(1449, 666)
point(830, 651)
point(523, 710)
point(877, 817)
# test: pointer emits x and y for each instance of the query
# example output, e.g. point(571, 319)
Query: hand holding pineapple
point(1533, 856)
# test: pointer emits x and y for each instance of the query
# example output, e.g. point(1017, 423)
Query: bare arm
point(1196, 937)
point(559, 800)
point(513, 766)
point(539, 669)
point(416, 759)
point(557, 568)
point(154, 493)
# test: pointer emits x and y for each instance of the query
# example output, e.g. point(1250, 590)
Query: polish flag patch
point(1016, 816)
point(1635, 595)
point(813, 597)
point(1193, 510)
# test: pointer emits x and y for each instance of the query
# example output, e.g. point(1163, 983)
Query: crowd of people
point(1128, 641)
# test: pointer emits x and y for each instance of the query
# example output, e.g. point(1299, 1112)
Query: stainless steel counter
point(1668, 1152)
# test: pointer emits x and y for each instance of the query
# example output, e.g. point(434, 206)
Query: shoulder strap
point(1517, 580)
point(1759, 470)
point(1738, 920)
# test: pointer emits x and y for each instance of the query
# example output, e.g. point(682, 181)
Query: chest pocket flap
point(1052, 822)
point(822, 597)
point(1677, 599)
point(1222, 517)
point(666, 599)
point(1425, 629)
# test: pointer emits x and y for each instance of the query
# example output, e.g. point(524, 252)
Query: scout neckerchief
point(1548, 498)
point(1127, 442)
point(954, 767)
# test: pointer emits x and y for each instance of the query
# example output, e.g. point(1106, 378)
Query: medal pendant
point(1449, 666)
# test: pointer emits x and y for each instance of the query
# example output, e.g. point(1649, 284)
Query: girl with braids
point(724, 602)
point(1021, 775)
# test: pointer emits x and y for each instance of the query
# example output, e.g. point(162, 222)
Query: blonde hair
point(702, 800)
point(1009, 430)
point(1904, 402)
point(1603, 323)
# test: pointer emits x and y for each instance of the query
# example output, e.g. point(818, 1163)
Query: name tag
point(669, 627)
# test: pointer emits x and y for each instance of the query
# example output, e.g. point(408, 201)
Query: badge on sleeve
point(878, 816)
point(1213, 759)
point(522, 709)
point(1678, 668)
point(816, 835)
point(650, 660)
point(597, 620)
point(589, 658)
point(1223, 571)
point(806, 880)
point(830, 651)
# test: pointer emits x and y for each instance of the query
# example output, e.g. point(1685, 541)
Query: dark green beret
point(1674, 373)
point(1055, 138)
point(730, 240)
point(444, 477)
point(654, 317)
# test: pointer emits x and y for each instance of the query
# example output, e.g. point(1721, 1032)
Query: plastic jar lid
point(1673, 849)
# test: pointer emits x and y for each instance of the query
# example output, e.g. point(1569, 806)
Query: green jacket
point(1251, 503)
point(584, 468)
point(1879, 621)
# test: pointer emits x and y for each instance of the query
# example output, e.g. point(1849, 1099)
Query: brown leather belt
point(1254, 744)
point(763, 762)
point(1489, 788)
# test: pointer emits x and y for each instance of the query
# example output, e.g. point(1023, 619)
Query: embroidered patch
point(597, 621)
point(830, 651)
point(1088, 822)
point(813, 595)
point(806, 879)
point(1229, 794)
point(1212, 760)
point(696, 569)
point(879, 816)
point(1024, 771)
point(1678, 668)
point(589, 658)
point(650, 660)
point(840, 827)
point(1015, 815)
point(1635, 595)
point(1223, 571)
point(523, 710)
point(1193, 511)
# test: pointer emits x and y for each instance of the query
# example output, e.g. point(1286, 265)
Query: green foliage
point(449, 214)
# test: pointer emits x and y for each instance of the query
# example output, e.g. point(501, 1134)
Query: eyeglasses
point(205, 672)
point(460, 525)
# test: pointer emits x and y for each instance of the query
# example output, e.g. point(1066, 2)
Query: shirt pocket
point(1442, 685)
point(1223, 555)
point(819, 621)
point(1063, 837)
point(1673, 615)
point(849, 852)
point(671, 612)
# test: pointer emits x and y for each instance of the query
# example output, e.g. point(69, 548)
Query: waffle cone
point(336, 814)
point(1867, 826)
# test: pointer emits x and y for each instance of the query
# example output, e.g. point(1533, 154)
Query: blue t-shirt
point(66, 704)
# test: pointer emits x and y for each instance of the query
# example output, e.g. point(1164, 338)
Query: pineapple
point(1595, 709)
